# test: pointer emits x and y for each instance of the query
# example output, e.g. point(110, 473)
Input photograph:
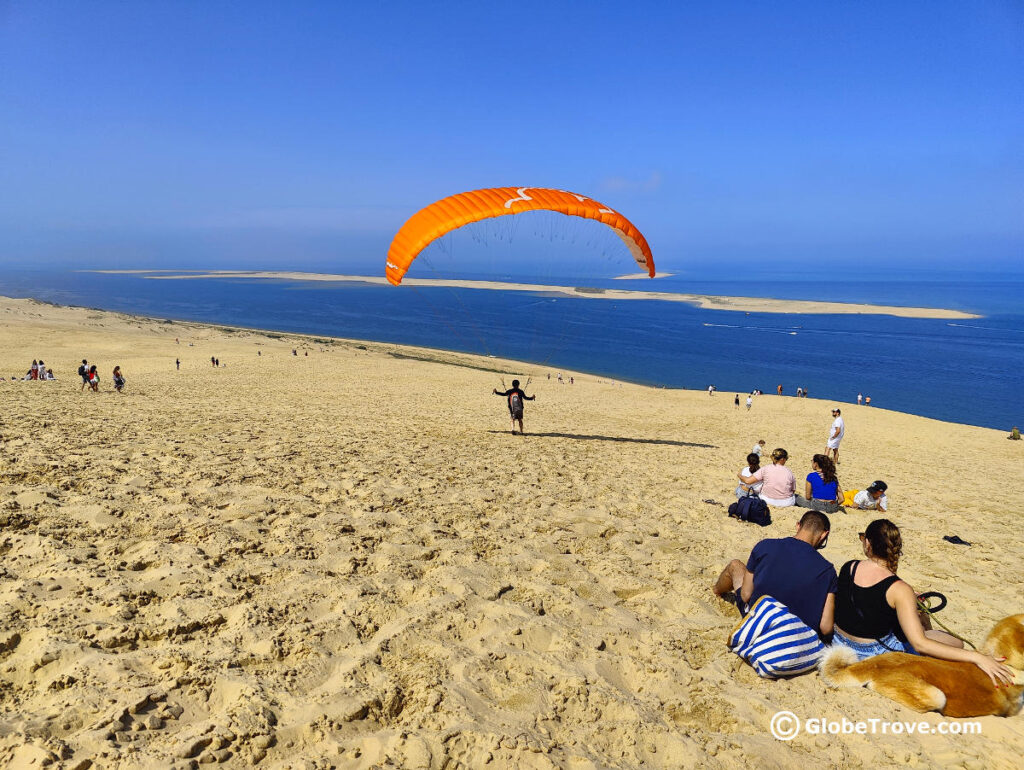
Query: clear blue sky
point(301, 134)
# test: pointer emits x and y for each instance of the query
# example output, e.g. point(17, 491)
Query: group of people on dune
point(37, 371)
point(91, 377)
point(866, 607)
point(776, 485)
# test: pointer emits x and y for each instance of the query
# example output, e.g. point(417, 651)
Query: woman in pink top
point(779, 485)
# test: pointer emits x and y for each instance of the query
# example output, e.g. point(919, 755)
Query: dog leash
point(922, 605)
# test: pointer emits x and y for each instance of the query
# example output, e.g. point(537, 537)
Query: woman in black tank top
point(863, 611)
point(880, 613)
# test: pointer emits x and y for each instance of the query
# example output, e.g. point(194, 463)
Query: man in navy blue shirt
point(790, 570)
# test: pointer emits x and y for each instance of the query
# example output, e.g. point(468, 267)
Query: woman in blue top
point(821, 490)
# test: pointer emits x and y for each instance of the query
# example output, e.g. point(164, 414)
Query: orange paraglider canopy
point(450, 213)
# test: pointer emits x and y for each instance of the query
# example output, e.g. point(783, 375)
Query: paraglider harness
point(515, 405)
point(515, 401)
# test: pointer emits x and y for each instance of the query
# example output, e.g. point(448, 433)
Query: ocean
point(967, 371)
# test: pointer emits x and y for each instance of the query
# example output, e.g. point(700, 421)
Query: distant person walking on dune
point(118, 379)
point(94, 379)
point(750, 402)
point(836, 435)
point(860, 399)
point(83, 372)
point(515, 397)
point(177, 363)
point(867, 400)
point(736, 402)
point(780, 390)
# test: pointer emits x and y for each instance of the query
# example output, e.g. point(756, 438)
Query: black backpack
point(752, 509)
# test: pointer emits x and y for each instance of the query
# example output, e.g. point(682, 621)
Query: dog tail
point(834, 667)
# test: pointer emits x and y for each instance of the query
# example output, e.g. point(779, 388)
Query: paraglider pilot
point(515, 397)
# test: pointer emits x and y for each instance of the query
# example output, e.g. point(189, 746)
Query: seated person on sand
point(821, 489)
point(873, 498)
point(790, 570)
point(876, 612)
point(753, 466)
point(779, 483)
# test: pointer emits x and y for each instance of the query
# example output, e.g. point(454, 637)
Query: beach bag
point(515, 405)
point(775, 642)
point(753, 509)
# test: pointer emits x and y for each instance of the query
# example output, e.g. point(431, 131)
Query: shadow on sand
point(622, 439)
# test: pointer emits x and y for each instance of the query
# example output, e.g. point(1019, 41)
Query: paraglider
point(447, 214)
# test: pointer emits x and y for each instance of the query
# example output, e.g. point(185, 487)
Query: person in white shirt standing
point(836, 436)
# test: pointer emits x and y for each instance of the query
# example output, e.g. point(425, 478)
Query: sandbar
point(737, 304)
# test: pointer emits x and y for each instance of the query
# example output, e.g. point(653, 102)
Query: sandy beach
point(343, 559)
point(738, 304)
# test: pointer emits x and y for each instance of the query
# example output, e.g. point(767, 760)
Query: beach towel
point(775, 642)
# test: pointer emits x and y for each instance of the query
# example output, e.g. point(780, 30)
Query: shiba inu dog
point(929, 684)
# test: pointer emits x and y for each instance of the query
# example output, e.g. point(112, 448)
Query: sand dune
point(344, 560)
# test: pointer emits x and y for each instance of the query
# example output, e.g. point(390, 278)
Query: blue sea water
point(963, 371)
